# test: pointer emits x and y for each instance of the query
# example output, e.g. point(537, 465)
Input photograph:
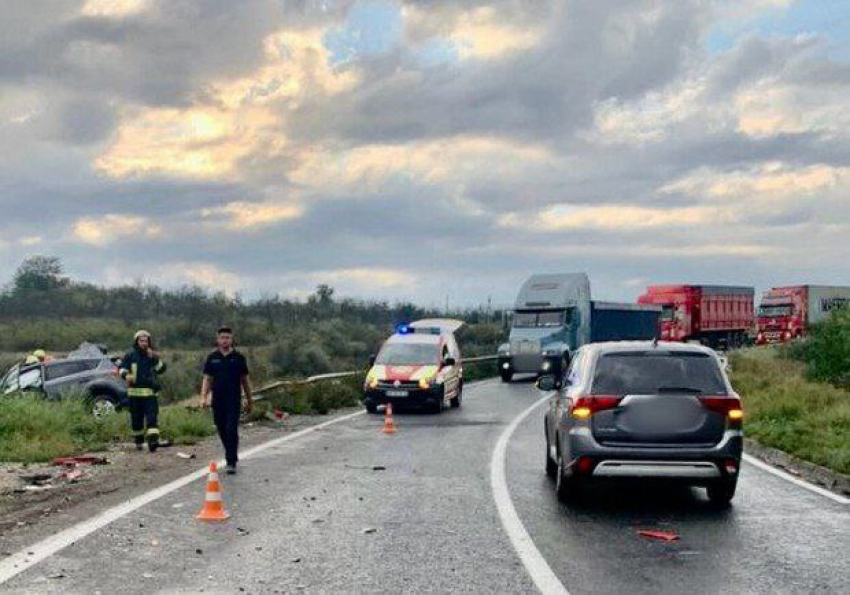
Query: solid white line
point(30, 556)
point(535, 564)
point(798, 482)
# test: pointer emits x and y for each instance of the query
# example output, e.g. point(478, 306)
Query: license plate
point(397, 393)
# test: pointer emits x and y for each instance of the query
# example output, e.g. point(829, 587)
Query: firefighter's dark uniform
point(227, 372)
point(143, 394)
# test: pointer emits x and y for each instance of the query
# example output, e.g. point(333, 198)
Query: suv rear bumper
point(674, 462)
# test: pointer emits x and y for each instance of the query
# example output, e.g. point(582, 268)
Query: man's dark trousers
point(226, 417)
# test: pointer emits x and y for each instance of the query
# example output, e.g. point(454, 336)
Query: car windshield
point(9, 384)
point(770, 311)
point(408, 354)
point(643, 372)
point(539, 319)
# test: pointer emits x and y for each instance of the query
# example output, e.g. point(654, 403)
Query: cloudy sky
point(412, 149)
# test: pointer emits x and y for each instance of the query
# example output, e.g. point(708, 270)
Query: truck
point(786, 313)
point(554, 315)
point(719, 316)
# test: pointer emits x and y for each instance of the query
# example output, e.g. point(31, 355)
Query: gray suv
point(87, 372)
point(644, 411)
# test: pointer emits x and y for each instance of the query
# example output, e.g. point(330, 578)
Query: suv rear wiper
point(679, 389)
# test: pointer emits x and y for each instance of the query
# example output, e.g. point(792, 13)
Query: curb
point(831, 480)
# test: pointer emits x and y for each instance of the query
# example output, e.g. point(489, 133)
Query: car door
point(450, 376)
point(570, 385)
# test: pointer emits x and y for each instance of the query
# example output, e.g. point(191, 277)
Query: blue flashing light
point(403, 329)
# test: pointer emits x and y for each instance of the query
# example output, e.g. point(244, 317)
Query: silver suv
point(644, 410)
point(87, 372)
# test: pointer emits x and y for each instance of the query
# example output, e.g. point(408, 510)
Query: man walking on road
point(141, 368)
point(226, 375)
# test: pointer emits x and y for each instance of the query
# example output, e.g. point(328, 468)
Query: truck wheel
point(372, 408)
point(506, 375)
point(721, 493)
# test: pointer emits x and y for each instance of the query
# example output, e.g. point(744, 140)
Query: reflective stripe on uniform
point(134, 371)
point(153, 431)
point(135, 391)
point(159, 366)
point(138, 433)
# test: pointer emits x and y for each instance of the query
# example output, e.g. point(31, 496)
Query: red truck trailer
point(716, 315)
point(786, 313)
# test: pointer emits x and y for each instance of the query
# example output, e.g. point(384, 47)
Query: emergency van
point(420, 365)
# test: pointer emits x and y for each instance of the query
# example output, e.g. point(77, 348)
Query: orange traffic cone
point(389, 424)
point(213, 509)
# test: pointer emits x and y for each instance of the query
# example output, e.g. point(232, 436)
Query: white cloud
point(104, 230)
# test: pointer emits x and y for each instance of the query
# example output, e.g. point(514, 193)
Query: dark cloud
point(69, 81)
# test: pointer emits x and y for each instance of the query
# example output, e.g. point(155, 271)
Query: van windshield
point(651, 372)
point(539, 318)
point(408, 354)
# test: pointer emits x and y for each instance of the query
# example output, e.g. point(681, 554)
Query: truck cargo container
point(554, 316)
point(786, 313)
point(719, 316)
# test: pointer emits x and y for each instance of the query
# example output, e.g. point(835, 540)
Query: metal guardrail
point(258, 394)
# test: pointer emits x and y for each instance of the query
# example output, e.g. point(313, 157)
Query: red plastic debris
point(660, 535)
point(82, 460)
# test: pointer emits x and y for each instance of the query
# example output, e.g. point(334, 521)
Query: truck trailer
point(719, 316)
point(787, 313)
point(554, 316)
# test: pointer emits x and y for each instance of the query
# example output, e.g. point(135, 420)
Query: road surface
point(319, 514)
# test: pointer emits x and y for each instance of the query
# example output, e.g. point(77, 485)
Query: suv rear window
point(68, 367)
point(650, 372)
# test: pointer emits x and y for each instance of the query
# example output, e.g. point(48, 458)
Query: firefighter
point(37, 356)
point(141, 368)
point(226, 376)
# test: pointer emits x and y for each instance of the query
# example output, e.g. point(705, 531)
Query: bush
point(827, 350)
point(784, 410)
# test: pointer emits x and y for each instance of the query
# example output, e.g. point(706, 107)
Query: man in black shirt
point(226, 376)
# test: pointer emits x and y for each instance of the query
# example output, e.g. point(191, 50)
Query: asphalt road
point(315, 515)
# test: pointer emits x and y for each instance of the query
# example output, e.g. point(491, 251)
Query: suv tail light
point(584, 407)
point(729, 407)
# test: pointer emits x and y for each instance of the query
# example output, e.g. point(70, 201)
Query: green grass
point(33, 429)
point(785, 410)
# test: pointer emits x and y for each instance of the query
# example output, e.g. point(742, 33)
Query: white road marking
point(30, 556)
point(535, 564)
point(798, 482)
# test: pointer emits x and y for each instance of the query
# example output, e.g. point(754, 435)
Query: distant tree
point(39, 273)
point(324, 295)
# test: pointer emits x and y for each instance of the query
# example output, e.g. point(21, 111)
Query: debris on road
point(379, 468)
point(660, 535)
point(369, 530)
point(186, 455)
point(79, 460)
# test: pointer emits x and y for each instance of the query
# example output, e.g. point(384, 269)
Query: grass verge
point(785, 410)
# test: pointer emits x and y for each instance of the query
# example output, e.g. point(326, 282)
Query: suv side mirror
point(449, 362)
point(548, 383)
point(372, 359)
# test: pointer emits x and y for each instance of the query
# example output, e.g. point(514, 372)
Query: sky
point(427, 150)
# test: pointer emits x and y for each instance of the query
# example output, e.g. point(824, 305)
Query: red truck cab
point(786, 313)
point(715, 315)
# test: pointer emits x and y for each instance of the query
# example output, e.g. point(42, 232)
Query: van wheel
point(721, 493)
point(372, 408)
point(458, 398)
point(506, 375)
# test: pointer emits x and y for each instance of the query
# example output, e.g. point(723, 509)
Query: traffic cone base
point(213, 508)
point(389, 424)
